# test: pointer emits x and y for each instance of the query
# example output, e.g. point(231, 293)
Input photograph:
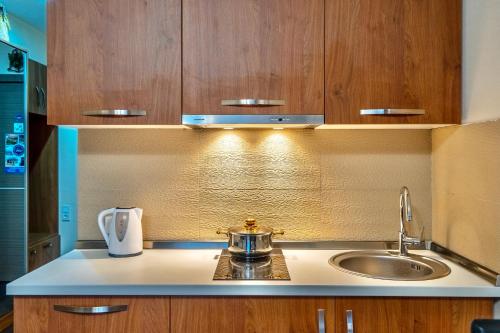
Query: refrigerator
point(13, 159)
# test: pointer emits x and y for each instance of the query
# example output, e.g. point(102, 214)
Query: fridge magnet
point(15, 153)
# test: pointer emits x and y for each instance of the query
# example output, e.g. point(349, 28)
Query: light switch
point(66, 213)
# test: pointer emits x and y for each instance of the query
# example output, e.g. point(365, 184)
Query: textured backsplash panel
point(466, 191)
point(315, 184)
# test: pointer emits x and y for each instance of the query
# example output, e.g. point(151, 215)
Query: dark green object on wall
point(16, 61)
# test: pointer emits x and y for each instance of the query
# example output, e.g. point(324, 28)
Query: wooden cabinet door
point(43, 252)
point(37, 88)
point(259, 49)
point(393, 54)
point(114, 54)
point(249, 314)
point(144, 314)
point(410, 315)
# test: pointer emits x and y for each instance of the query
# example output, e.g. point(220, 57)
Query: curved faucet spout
point(405, 214)
point(405, 204)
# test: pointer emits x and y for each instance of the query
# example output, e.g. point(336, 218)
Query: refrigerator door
point(13, 162)
point(12, 131)
point(12, 234)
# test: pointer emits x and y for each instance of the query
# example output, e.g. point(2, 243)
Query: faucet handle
point(412, 240)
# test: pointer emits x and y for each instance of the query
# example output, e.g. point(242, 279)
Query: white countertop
point(190, 272)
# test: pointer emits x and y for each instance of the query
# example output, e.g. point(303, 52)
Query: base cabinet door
point(67, 314)
point(251, 314)
point(409, 315)
point(43, 252)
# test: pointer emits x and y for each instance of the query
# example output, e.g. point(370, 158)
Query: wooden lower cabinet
point(252, 314)
point(144, 314)
point(44, 249)
point(410, 315)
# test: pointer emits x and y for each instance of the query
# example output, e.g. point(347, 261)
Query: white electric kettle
point(122, 231)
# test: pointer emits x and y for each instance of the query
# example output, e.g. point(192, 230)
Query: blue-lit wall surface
point(68, 185)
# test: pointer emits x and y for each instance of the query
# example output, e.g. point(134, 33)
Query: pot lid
point(250, 228)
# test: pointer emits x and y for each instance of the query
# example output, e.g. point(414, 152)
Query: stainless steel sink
point(389, 265)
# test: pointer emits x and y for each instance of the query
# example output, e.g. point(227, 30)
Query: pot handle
point(279, 232)
point(222, 231)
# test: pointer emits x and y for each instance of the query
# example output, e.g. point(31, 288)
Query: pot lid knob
point(250, 223)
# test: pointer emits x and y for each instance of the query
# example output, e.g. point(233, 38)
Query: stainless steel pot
point(250, 240)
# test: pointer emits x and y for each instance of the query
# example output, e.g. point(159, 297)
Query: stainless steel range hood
point(253, 121)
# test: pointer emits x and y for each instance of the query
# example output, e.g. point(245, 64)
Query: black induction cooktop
point(272, 267)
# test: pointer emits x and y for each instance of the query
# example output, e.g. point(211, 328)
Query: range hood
point(253, 121)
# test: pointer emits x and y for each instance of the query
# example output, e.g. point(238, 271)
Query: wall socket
point(66, 213)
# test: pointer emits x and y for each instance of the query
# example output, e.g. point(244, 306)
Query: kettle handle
point(101, 222)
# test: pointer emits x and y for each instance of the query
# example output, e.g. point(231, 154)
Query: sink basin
point(389, 265)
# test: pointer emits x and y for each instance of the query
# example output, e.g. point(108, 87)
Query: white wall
point(27, 37)
point(68, 184)
point(481, 60)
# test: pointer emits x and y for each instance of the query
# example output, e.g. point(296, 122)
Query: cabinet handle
point(252, 102)
point(391, 112)
point(350, 323)
point(33, 253)
point(37, 96)
point(90, 309)
point(114, 113)
point(321, 321)
point(48, 245)
point(44, 98)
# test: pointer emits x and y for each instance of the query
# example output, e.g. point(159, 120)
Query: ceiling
point(32, 11)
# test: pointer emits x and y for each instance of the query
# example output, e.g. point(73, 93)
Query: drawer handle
point(90, 309)
point(114, 113)
point(321, 321)
point(48, 245)
point(252, 102)
point(350, 323)
point(33, 253)
point(391, 112)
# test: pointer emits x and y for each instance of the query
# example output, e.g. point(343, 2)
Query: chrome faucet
point(405, 214)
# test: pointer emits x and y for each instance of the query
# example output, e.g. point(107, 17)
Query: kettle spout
point(138, 212)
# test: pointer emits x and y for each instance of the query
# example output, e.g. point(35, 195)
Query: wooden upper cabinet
point(393, 54)
point(114, 54)
point(37, 88)
point(259, 49)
